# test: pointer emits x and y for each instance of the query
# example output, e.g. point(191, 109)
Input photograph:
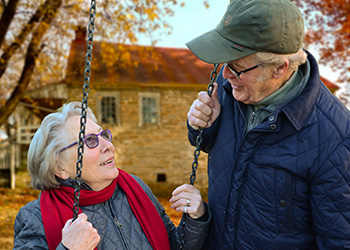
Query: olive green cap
point(249, 26)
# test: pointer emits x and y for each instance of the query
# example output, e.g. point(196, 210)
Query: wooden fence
point(10, 158)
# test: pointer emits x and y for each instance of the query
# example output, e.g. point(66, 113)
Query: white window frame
point(149, 95)
point(99, 97)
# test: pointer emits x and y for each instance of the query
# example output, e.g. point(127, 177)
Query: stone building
point(144, 105)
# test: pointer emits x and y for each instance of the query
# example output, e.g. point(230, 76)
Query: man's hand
point(204, 110)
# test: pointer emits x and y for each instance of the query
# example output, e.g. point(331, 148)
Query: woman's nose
point(106, 145)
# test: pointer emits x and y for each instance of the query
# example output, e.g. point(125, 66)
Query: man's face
point(253, 85)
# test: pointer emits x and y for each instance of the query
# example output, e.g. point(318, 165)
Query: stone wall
point(156, 153)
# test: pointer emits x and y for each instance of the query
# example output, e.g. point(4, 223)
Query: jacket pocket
point(284, 203)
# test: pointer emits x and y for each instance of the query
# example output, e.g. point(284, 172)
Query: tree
point(328, 28)
point(35, 37)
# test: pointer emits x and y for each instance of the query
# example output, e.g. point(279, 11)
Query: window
point(149, 110)
point(161, 177)
point(108, 111)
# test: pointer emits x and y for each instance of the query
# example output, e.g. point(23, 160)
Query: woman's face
point(99, 168)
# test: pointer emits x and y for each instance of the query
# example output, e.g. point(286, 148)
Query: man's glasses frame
point(238, 73)
point(91, 140)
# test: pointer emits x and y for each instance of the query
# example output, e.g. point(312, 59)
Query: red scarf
point(56, 208)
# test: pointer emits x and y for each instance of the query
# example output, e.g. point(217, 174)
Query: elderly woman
point(117, 210)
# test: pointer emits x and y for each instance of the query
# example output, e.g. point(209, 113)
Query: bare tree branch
point(33, 51)
point(6, 18)
point(10, 50)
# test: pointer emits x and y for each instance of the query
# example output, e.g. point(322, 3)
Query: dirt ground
point(12, 200)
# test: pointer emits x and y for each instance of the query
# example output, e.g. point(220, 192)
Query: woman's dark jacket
point(115, 223)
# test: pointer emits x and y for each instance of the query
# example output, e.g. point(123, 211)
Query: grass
point(11, 200)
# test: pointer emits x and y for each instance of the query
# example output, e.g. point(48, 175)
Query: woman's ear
point(281, 70)
point(61, 173)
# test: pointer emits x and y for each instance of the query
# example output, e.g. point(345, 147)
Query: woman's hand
point(188, 199)
point(80, 234)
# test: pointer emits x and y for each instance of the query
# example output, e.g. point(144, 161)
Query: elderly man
point(278, 140)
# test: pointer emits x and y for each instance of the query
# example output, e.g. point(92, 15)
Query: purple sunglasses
point(91, 140)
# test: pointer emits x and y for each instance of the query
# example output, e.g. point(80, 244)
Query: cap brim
point(211, 47)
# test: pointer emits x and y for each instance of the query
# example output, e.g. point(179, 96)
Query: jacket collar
point(304, 101)
point(71, 183)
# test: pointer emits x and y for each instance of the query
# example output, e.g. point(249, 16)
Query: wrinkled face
point(99, 168)
point(254, 85)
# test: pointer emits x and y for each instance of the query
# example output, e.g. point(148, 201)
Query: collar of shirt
point(257, 113)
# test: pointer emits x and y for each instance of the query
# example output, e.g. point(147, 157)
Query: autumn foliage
point(328, 29)
point(35, 37)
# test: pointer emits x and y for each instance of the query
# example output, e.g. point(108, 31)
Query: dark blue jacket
point(286, 184)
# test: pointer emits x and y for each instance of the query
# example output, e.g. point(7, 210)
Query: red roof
point(169, 67)
point(331, 86)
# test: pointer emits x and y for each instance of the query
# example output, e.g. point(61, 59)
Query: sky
point(191, 21)
point(194, 19)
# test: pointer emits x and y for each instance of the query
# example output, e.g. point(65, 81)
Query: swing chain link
point(213, 76)
point(197, 151)
point(84, 107)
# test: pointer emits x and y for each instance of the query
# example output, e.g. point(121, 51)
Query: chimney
point(80, 34)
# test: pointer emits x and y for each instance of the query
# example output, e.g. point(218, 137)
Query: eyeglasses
point(238, 73)
point(91, 140)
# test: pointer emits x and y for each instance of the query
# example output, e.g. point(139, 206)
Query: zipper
point(252, 117)
point(117, 222)
point(120, 227)
point(239, 204)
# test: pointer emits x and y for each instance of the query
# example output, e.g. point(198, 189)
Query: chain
point(197, 151)
point(84, 107)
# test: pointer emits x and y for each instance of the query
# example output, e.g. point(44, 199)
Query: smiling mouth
point(235, 87)
point(106, 162)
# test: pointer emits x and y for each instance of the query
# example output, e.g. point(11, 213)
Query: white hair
point(43, 151)
point(295, 59)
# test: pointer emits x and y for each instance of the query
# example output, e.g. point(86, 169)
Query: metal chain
point(197, 151)
point(84, 107)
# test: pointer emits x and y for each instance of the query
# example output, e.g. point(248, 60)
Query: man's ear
point(282, 69)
